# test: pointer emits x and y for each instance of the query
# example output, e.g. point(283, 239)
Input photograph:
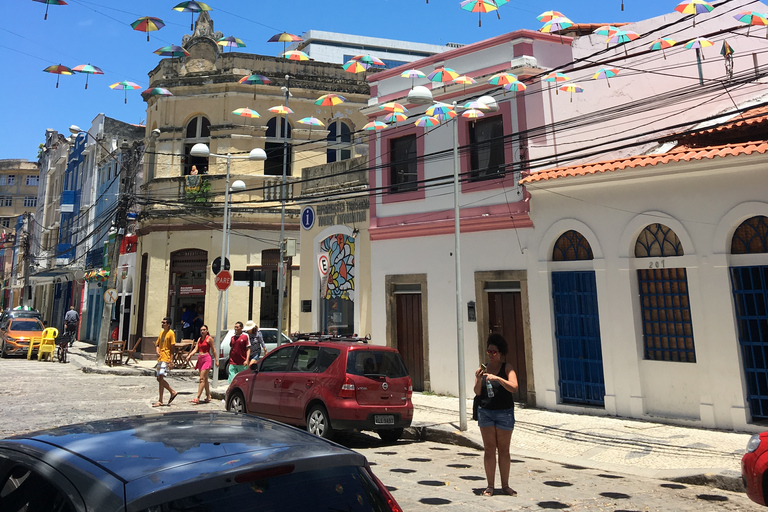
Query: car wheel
point(236, 403)
point(319, 423)
point(390, 435)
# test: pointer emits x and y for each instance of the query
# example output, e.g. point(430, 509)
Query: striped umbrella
point(50, 2)
point(694, 7)
point(606, 73)
point(443, 75)
point(147, 24)
point(393, 106)
point(284, 38)
point(476, 105)
point(571, 88)
point(354, 66)
point(441, 111)
point(556, 77)
point(375, 126)
point(751, 18)
point(192, 7)
point(246, 112)
point(88, 70)
point(231, 41)
point(370, 60)
point(255, 80)
point(156, 91)
point(171, 51)
point(413, 74)
point(479, 6)
point(296, 55)
point(621, 37)
point(58, 69)
point(395, 117)
point(502, 78)
point(662, 44)
point(556, 25)
point(330, 100)
point(125, 86)
point(548, 16)
point(464, 80)
point(515, 87)
point(311, 121)
point(281, 109)
point(427, 121)
point(698, 43)
point(472, 113)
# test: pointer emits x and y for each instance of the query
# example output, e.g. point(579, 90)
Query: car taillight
point(347, 389)
point(391, 503)
point(409, 391)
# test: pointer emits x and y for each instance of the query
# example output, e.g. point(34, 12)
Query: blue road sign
point(307, 217)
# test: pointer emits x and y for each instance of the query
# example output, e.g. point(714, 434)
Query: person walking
point(164, 346)
point(70, 324)
point(187, 319)
point(206, 353)
point(495, 384)
point(257, 347)
point(239, 351)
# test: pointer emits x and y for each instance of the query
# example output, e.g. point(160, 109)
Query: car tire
point(390, 435)
point(318, 422)
point(236, 403)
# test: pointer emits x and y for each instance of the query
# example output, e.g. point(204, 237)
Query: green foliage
point(200, 194)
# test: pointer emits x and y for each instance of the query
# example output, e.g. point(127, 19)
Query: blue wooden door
point(750, 294)
point(577, 332)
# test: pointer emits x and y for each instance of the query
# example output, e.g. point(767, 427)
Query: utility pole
point(24, 246)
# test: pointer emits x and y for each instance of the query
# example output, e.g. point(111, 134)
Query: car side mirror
point(255, 368)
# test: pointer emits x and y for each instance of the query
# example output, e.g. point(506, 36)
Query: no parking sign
point(323, 264)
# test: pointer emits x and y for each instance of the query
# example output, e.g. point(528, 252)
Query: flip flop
point(207, 400)
point(194, 401)
point(509, 491)
point(488, 491)
point(157, 404)
point(172, 397)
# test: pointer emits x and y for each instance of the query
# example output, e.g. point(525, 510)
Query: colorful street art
point(341, 275)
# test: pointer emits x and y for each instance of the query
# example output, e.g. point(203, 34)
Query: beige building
point(180, 225)
point(18, 189)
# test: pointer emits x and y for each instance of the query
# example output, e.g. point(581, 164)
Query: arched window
point(273, 166)
point(657, 240)
point(198, 131)
point(751, 237)
point(339, 142)
point(572, 246)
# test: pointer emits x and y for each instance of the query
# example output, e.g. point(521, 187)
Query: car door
point(267, 385)
point(298, 382)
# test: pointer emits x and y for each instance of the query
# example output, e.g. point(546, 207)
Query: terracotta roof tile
point(682, 154)
point(754, 117)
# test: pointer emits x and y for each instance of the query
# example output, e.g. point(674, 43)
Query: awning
point(52, 276)
point(96, 276)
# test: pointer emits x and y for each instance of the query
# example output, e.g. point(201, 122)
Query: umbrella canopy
point(50, 2)
point(472, 113)
point(147, 24)
point(752, 18)
point(125, 86)
point(295, 55)
point(556, 25)
point(171, 51)
point(246, 112)
point(606, 30)
point(374, 126)
point(571, 88)
point(699, 42)
point(255, 80)
point(393, 106)
point(311, 121)
point(395, 117)
point(515, 86)
point(662, 44)
point(58, 69)
point(548, 16)
point(231, 41)
point(464, 79)
point(412, 73)
point(479, 6)
point(606, 73)
point(441, 111)
point(88, 70)
point(476, 105)
point(694, 7)
point(556, 77)
point(192, 7)
point(329, 100)
point(354, 66)
point(427, 121)
point(281, 109)
point(284, 38)
point(442, 75)
point(726, 50)
point(502, 78)
point(370, 60)
point(622, 36)
point(156, 91)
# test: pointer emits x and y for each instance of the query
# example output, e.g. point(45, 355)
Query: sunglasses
point(491, 352)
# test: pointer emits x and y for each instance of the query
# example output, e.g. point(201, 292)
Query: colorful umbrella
point(556, 25)
point(147, 24)
point(502, 78)
point(479, 6)
point(412, 74)
point(88, 70)
point(694, 7)
point(156, 91)
point(192, 7)
point(623, 36)
point(556, 77)
point(515, 87)
point(726, 50)
point(662, 44)
point(255, 80)
point(698, 43)
point(329, 100)
point(231, 41)
point(171, 51)
point(285, 37)
point(295, 55)
point(476, 105)
point(58, 69)
point(464, 80)
point(125, 86)
point(441, 111)
point(354, 66)
point(246, 112)
point(374, 126)
point(50, 2)
point(370, 60)
point(311, 121)
point(395, 117)
point(606, 73)
point(393, 106)
point(443, 75)
point(472, 113)
point(427, 121)
point(281, 109)
point(751, 18)
point(606, 30)
point(571, 88)
point(548, 16)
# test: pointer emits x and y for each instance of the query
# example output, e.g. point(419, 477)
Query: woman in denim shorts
point(494, 385)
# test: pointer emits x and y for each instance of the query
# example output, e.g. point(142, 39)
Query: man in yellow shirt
point(164, 346)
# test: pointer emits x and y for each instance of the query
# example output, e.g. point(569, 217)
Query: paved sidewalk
point(657, 450)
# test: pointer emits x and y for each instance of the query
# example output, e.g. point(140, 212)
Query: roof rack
point(319, 336)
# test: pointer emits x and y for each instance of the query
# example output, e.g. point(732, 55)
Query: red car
point(328, 383)
point(753, 468)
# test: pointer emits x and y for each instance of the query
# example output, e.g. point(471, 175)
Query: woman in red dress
point(206, 355)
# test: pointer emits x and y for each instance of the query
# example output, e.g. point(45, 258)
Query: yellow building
point(18, 190)
point(181, 220)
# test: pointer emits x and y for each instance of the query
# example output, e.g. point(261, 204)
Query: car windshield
point(340, 488)
point(376, 362)
point(26, 325)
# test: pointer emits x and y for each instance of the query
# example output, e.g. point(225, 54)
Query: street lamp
point(202, 151)
point(237, 186)
point(420, 95)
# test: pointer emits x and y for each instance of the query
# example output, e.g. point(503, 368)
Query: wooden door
point(505, 317)
point(410, 341)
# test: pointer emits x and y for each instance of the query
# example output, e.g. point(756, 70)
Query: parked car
point(270, 341)
point(184, 461)
point(327, 384)
point(18, 313)
point(753, 468)
point(16, 337)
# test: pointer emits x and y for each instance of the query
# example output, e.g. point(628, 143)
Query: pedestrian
point(164, 346)
point(256, 342)
point(239, 351)
point(197, 323)
point(187, 318)
point(206, 352)
point(70, 323)
point(496, 413)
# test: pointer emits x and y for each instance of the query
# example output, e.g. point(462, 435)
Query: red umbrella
point(50, 2)
point(59, 70)
point(88, 70)
point(285, 37)
point(147, 24)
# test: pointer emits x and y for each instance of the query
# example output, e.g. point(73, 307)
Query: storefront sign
point(343, 212)
point(192, 289)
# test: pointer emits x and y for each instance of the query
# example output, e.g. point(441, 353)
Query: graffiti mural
point(341, 275)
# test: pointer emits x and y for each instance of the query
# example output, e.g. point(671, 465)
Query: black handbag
point(475, 405)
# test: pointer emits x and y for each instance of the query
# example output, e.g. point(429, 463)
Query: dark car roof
point(200, 443)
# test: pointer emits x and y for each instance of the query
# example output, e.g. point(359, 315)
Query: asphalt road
point(421, 475)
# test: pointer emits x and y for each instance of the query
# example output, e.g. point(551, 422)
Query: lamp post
point(283, 192)
point(237, 186)
point(201, 150)
point(420, 95)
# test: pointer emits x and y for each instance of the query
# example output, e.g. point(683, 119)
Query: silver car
point(195, 461)
point(270, 341)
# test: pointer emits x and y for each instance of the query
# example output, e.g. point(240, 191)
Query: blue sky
point(98, 32)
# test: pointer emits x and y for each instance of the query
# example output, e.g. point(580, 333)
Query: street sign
point(323, 264)
point(216, 265)
point(110, 296)
point(307, 217)
point(223, 280)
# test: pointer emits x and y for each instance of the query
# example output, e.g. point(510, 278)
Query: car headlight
point(753, 443)
point(8, 338)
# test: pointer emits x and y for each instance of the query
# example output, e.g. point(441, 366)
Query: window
point(572, 246)
point(198, 131)
point(277, 361)
point(486, 138)
point(30, 202)
point(6, 223)
point(273, 166)
point(339, 136)
point(11, 179)
point(6, 201)
point(751, 237)
point(33, 181)
point(306, 359)
point(22, 488)
point(402, 167)
point(3, 179)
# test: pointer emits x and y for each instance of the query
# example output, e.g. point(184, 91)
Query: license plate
point(384, 419)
